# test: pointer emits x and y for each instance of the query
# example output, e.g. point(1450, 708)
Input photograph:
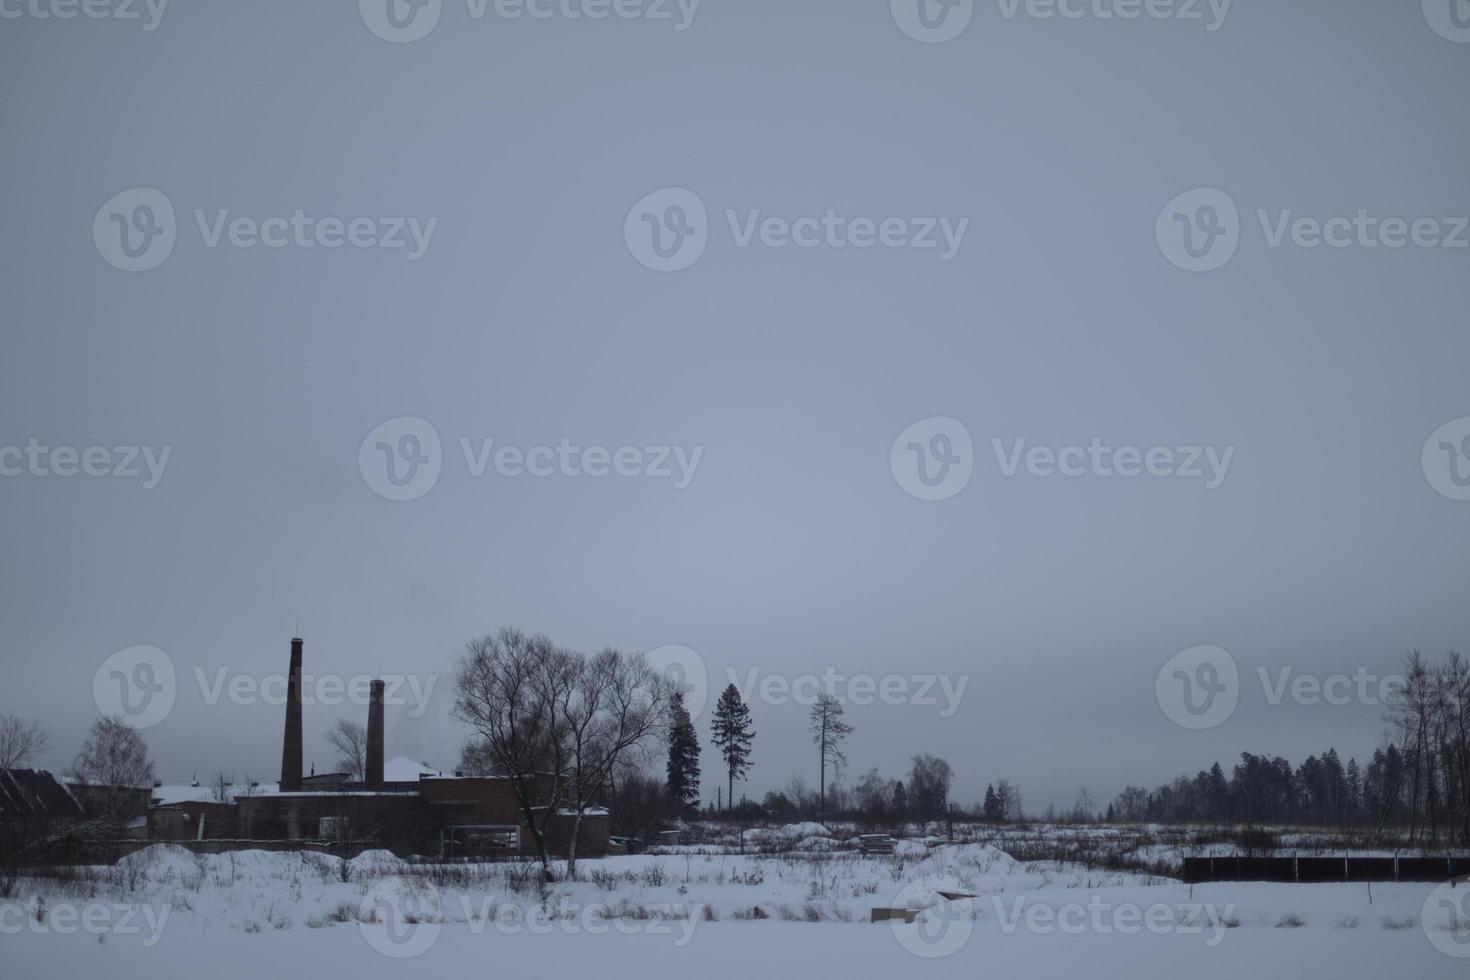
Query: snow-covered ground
point(167, 913)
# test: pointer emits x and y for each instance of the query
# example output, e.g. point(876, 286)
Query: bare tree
point(511, 690)
point(615, 704)
point(219, 786)
point(349, 740)
point(20, 740)
point(829, 731)
point(115, 758)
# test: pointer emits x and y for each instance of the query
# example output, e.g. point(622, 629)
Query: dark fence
point(1320, 870)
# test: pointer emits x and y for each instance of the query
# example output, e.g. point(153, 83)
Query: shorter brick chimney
point(372, 776)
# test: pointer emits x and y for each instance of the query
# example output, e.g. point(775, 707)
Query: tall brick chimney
point(291, 746)
point(372, 777)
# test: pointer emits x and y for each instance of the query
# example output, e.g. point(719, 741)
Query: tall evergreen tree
point(900, 802)
point(991, 809)
point(829, 731)
point(683, 765)
point(733, 734)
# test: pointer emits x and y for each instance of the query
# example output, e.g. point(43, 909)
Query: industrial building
point(398, 805)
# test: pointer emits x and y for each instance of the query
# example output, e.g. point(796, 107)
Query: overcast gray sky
point(531, 316)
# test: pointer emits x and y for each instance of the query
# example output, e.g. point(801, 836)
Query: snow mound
point(375, 862)
point(790, 832)
point(161, 861)
point(817, 844)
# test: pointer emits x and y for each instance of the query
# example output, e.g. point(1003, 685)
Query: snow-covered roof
point(167, 795)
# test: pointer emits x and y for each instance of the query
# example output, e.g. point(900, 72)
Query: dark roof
point(35, 793)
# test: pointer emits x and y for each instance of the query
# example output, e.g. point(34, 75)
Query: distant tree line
point(1418, 780)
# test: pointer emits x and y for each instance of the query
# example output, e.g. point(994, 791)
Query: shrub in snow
point(1394, 924)
point(1351, 922)
point(1290, 921)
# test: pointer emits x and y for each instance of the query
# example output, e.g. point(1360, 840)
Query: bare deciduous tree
point(511, 688)
point(349, 740)
point(20, 740)
point(613, 708)
point(219, 786)
point(115, 758)
point(557, 724)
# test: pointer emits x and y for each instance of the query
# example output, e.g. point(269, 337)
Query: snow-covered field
point(167, 913)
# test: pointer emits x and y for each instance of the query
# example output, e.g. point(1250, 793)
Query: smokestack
point(291, 746)
point(373, 774)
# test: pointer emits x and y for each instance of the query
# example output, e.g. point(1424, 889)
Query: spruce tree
point(732, 734)
point(991, 808)
point(683, 765)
